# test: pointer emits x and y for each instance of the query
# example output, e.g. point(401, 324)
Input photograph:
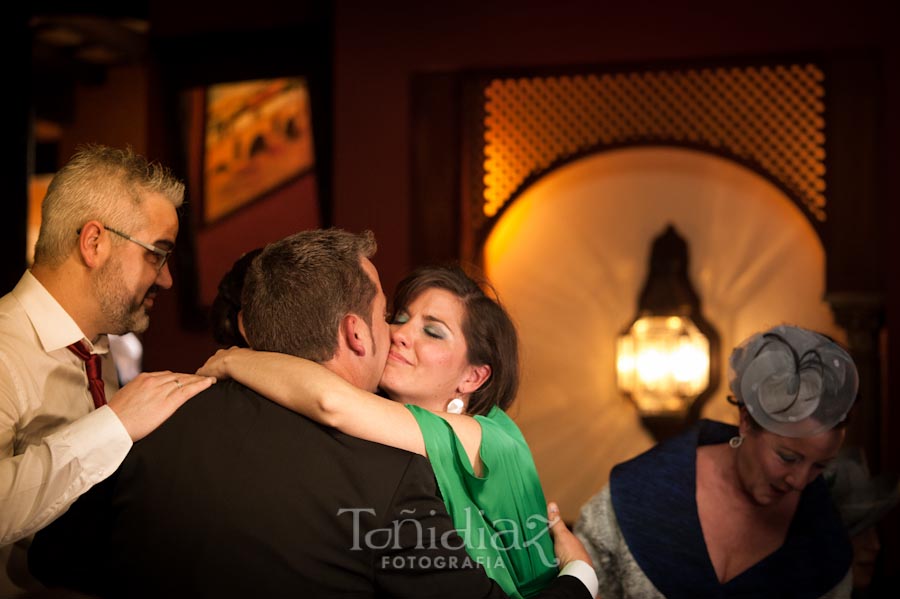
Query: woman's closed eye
point(400, 318)
point(434, 332)
point(788, 458)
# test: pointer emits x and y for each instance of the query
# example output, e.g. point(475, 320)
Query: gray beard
point(120, 311)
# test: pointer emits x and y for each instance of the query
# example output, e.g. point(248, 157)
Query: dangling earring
point(735, 441)
point(455, 406)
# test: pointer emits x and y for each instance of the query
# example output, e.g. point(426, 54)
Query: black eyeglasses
point(158, 256)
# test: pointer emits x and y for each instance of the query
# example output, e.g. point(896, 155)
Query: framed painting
point(248, 127)
point(251, 174)
point(257, 136)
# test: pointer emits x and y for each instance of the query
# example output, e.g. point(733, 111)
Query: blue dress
point(644, 535)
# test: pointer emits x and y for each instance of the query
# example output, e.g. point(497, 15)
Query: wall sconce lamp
point(667, 359)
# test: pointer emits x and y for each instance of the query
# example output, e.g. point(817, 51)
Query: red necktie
point(93, 368)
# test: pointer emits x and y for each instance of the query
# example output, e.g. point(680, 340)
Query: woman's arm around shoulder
point(310, 389)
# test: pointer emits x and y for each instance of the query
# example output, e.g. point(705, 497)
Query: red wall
point(377, 49)
point(109, 114)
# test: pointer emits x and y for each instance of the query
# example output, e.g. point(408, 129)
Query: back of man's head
point(102, 183)
point(297, 291)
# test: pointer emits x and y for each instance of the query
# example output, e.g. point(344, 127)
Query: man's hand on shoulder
point(148, 400)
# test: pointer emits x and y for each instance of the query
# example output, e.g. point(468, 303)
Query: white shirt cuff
point(78, 456)
point(583, 572)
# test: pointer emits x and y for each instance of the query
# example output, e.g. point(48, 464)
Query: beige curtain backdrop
point(569, 259)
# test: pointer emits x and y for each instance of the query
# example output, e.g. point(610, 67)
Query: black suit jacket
point(235, 496)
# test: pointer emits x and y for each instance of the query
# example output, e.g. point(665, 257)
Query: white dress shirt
point(53, 444)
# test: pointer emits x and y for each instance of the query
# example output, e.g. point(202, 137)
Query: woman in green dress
point(451, 372)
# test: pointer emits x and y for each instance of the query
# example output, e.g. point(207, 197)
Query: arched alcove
point(568, 259)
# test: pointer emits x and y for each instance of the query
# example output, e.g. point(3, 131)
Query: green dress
point(501, 515)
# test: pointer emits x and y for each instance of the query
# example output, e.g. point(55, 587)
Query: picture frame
point(213, 233)
point(251, 172)
point(257, 136)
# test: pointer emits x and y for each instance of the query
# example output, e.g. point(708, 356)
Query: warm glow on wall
point(37, 189)
point(506, 234)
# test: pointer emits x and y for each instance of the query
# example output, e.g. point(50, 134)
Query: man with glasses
point(108, 226)
point(157, 256)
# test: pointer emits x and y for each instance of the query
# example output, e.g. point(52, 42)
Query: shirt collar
point(53, 325)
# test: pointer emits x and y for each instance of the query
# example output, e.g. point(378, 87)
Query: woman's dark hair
point(490, 334)
point(223, 315)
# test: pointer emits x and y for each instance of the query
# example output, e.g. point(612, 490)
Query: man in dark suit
point(236, 496)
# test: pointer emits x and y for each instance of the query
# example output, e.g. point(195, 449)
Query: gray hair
point(99, 183)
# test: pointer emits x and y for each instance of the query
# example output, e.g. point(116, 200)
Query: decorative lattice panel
point(771, 117)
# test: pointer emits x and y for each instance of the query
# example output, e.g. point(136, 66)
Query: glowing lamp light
point(667, 358)
point(663, 364)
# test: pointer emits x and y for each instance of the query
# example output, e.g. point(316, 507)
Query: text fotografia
point(440, 562)
point(484, 545)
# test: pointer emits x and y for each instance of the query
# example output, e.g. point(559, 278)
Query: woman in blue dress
point(726, 511)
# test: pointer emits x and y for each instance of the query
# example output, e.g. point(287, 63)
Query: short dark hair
point(298, 289)
point(223, 315)
point(490, 333)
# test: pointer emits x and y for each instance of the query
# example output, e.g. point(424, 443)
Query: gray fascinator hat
point(794, 382)
point(861, 499)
